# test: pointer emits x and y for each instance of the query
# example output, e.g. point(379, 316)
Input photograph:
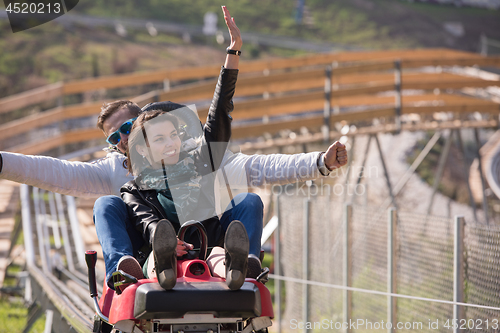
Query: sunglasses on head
point(114, 138)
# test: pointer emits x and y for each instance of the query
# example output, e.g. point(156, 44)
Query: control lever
point(91, 259)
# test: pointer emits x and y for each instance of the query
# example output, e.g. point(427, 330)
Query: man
point(104, 178)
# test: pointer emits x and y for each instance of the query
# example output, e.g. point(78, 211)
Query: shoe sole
point(236, 244)
point(165, 242)
point(131, 267)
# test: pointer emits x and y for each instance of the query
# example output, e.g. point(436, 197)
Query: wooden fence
point(369, 85)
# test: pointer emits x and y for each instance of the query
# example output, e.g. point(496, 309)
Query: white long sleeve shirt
point(107, 175)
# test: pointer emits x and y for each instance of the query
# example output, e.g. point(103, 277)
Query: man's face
point(114, 122)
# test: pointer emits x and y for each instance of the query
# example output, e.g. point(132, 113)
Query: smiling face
point(164, 144)
point(114, 122)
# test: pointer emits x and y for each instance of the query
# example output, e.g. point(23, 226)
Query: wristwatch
point(322, 166)
point(235, 52)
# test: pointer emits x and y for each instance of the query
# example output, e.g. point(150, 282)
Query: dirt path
point(415, 196)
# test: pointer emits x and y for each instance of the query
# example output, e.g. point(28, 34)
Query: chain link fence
point(424, 258)
point(482, 271)
point(425, 267)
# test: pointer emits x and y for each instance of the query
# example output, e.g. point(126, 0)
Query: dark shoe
point(254, 266)
point(164, 246)
point(236, 245)
point(130, 266)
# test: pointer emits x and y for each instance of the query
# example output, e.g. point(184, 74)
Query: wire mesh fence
point(482, 272)
point(425, 267)
point(369, 263)
point(424, 255)
point(325, 255)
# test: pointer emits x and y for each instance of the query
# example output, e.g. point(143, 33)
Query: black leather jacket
point(144, 208)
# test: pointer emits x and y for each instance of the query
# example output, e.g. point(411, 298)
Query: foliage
point(328, 21)
point(53, 52)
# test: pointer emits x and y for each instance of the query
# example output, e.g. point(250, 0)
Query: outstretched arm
point(335, 156)
point(257, 170)
point(81, 179)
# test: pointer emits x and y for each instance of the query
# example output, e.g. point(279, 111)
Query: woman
point(174, 186)
point(177, 185)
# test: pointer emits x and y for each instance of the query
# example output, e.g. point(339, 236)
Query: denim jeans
point(118, 237)
point(249, 210)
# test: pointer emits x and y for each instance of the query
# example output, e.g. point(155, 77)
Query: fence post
point(305, 264)
point(61, 150)
point(277, 264)
point(64, 232)
point(347, 297)
point(392, 269)
point(48, 321)
point(397, 87)
point(483, 181)
point(458, 272)
point(27, 226)
point(328, 104)
point(75, 231)
point(483, 45)
point(166, 85)
point(386, 172)
point(44, 256)
point(466, 172)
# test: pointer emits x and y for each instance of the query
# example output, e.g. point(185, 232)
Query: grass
point(13, 316)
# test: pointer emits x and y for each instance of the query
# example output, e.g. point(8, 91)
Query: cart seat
point(153, 302)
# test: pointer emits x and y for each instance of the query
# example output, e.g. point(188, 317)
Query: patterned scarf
point(178, 186)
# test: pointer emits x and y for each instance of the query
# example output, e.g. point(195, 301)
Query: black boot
point(164, 251)
point(236, 244)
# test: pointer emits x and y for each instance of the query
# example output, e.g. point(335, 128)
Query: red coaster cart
point(199, 302)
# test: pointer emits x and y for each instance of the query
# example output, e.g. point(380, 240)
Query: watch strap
point(322, 166)
point(235, 52)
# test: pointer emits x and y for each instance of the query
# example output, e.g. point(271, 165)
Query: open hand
point(234, 32)
point(336, 156)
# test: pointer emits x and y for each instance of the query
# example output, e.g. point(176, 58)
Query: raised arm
point(232, 60)
point(217, 129)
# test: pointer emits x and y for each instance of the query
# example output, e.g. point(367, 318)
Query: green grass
point(13, 315)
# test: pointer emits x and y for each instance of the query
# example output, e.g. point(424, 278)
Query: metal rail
point(59, 291)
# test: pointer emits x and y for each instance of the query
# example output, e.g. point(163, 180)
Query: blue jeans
point(118, 237)
point(249, 210)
